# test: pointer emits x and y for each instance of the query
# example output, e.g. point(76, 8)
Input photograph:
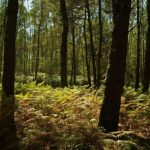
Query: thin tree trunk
point(73, 49)
point(147, 53)
point(7, 124)
point(86, 52)
point(109, 115)
point(1, 50)
point(38, 43)
point(100, 45)
point(91, 42)
point(63, 52)
point(33, 52)
point(137, 80)
point(2, 30)
point(73, 56)
point(25, 52)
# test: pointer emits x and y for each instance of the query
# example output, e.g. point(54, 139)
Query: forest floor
point(66, 119)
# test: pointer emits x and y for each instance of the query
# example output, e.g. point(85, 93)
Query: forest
point(74, 74)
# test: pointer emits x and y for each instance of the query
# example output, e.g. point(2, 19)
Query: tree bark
point(93, 53)
point(100, 46)
point(73, 73)
point(137, 79)
point(2, 30)
point(109, 115)
point(86, 52)
point(64, 82)
point(147, 53)
point(7, 124)
point(38, 42)
point(33, 51)
point(1, 50)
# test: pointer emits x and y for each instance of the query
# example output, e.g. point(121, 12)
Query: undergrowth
point(66, 119)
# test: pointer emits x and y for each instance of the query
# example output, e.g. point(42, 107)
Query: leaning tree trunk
point(7, 123)
point(63, 52)
point(147, 53)
point(109, 115)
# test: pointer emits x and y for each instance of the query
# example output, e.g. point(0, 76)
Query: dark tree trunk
point(109, 115)
point(73, 55)
point(63, 52)
point(86, 52)
point(1, 50)
point(100, 46)
point(91, 41)
point(137, 79)
point(2, 30)
point(7, 123)
point(147, 54)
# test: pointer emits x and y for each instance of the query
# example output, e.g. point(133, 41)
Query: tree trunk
point(100, 46)
point(25, 51)
point(38, 43)
point(33, 51)
point(2, 29)
point(1, 50)
point(137, 80)
point(91, 42)
point(63, 52)
point(7, 124)
point(147, 53)
point(86, 53)
point(74, 55)
point(109, 115)
point(72, 22)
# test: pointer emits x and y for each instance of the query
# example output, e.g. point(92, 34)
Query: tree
point(109, 115)
point(64, 43)
point(38, 42)
point(72, 22)
point(147, 53)
point(2, 28)
point(86, 50)
point(92, 48)
point(137, 79)
point(7, 124)
point(100, 45)
point(1, 50)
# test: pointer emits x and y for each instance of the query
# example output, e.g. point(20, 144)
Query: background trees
point(39, 40)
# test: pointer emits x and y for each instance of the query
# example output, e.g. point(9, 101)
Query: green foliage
point(67, 118)
point(130, 93)
point(40, 78)
point(23, 79)
point(55, 81)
